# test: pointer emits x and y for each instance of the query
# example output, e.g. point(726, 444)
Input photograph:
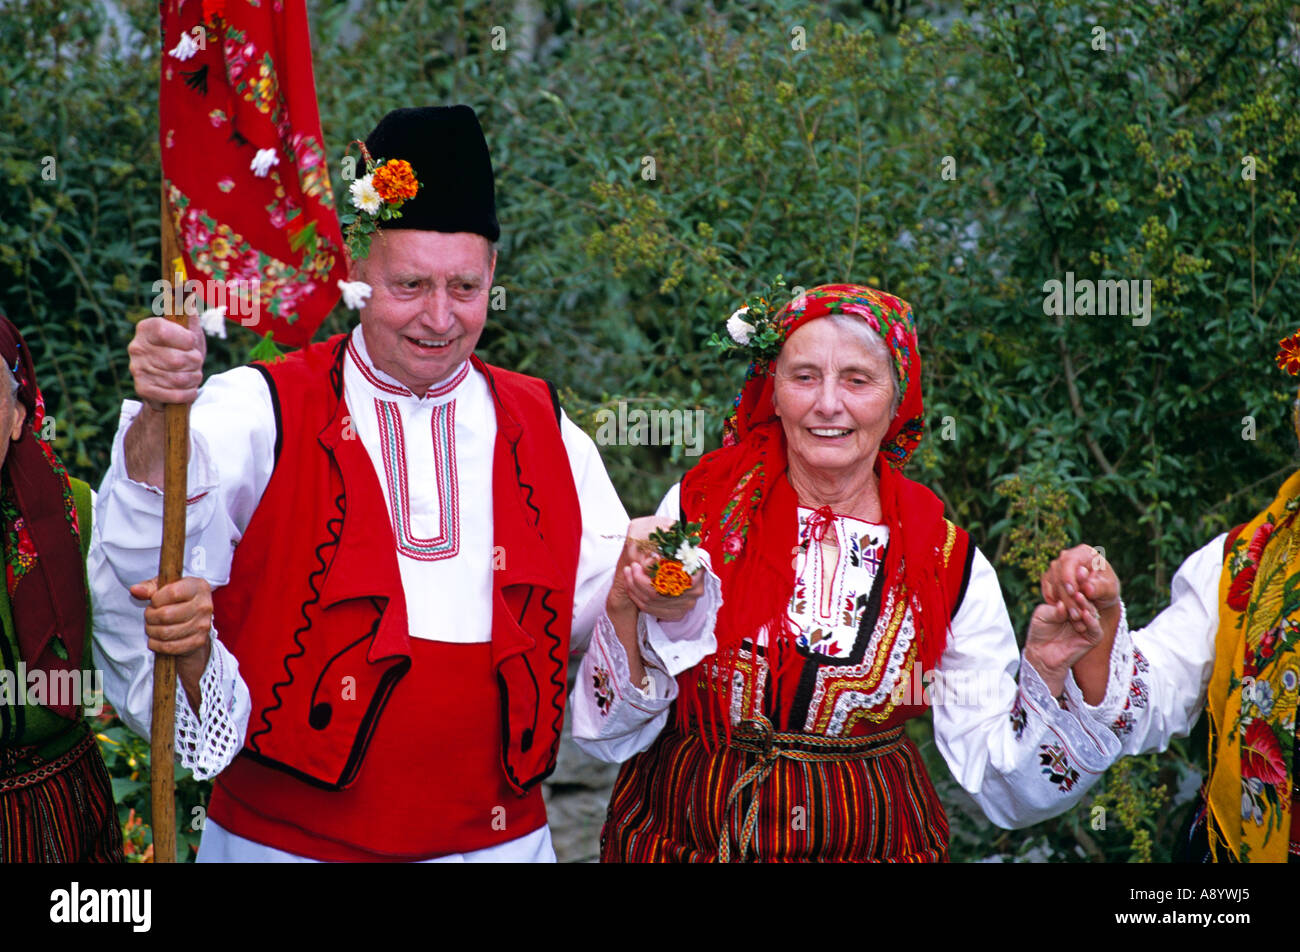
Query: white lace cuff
point(207, 743)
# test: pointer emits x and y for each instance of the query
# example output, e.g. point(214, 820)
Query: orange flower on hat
point(395, 181)
point(1288, 354)
point(670, 578)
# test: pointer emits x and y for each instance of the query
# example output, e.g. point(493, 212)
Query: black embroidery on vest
point(334, 527)
point(556, 700)
point(526, 737)
point(514, 452)
point(387, 682)
point(320, 714)
point(558, 674)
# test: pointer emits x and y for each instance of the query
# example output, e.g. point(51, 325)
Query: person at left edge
point(56, 799)
point(403, 541)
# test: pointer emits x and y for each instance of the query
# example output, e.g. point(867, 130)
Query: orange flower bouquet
point(680, 557)
point(376, 196)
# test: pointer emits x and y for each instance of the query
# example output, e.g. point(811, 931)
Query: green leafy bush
point(656, 165)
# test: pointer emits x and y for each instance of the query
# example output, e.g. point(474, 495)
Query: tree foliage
point(656, 164)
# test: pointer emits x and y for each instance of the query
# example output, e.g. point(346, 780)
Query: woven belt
point(758, 737)
point(23, 766)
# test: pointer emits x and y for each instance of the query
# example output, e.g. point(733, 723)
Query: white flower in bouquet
point(365, 197)
point(690, 556)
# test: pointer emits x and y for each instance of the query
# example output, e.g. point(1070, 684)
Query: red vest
point(364, 742)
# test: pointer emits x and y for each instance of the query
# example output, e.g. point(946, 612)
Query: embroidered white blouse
point(1020, 754)
point(443, 528)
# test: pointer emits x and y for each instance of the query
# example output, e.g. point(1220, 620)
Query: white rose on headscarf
point(740, 329)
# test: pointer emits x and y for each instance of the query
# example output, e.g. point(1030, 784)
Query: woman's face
point(12, 413)
point(834, 395)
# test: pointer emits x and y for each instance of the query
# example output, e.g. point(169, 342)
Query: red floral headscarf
point(44, 571)
point(742, 496)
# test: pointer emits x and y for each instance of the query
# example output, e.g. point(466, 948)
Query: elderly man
point(403, 539)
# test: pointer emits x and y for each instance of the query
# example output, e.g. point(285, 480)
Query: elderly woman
point(850, 604)
point(56, 801)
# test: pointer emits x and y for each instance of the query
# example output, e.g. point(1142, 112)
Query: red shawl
point(44, 571)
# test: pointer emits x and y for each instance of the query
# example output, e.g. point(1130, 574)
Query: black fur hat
point(446, 148)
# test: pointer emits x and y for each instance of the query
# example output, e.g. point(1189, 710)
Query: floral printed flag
point(244, 165)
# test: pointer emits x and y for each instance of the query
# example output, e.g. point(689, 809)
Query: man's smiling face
point(429, 302)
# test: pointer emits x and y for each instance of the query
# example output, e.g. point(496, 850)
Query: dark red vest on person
point(365, 743)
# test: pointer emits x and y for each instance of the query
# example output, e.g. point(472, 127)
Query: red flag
point(244, 163)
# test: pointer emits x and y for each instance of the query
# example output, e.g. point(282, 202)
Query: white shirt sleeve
point(613, 719)
point(1159, 675)
point(232, 454)
point(1011, 746)
point(604, 527)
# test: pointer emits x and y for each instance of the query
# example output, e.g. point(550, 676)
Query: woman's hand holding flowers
point(634, 587)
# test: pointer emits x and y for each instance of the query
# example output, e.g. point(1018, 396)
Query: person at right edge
point(1229, 644)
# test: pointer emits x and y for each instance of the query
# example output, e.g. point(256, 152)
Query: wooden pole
point(176, 417)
